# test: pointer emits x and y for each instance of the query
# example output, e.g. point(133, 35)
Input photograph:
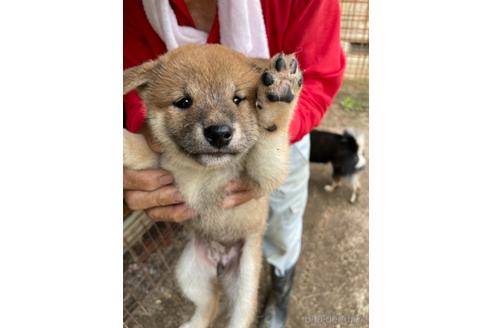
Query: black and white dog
point(345, 152)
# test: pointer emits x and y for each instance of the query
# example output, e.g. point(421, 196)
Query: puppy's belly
point(229, 225)
point(221, 257)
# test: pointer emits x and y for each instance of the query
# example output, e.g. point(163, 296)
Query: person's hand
point(238, 193)
point(153, 191)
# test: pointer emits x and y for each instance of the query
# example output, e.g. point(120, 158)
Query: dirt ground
point(331, 283)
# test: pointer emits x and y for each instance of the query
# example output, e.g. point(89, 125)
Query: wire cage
point(150, 251)
point(151, 297)
point(355, 38)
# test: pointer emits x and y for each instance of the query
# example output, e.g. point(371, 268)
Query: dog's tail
point(357, 135)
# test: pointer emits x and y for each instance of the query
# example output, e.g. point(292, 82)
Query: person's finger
point(237, 199)
point(140, 200)
point(172, 213)
point(236, 185)
point(148, 180)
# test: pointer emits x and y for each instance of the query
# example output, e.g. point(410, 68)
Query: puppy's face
point(202, 100)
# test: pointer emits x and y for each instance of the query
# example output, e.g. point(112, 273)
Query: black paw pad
point(271, 128)
point(286, 97)
point(293, 66)
point(280, 64)
point(301, 79)
point(267, 79)
point(273, 96)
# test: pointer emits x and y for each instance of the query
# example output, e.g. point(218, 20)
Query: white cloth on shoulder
point(242, 27)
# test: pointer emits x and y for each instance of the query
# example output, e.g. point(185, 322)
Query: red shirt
point(308, 28)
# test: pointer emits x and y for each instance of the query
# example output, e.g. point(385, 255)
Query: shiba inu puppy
point(219, 116)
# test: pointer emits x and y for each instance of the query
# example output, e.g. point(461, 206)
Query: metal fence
point(150, 293)
point(355, 37)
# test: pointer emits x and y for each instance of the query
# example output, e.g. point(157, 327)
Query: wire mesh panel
point(355, 37)
point(150, 254)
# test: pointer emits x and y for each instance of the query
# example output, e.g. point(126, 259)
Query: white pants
point(282, 242)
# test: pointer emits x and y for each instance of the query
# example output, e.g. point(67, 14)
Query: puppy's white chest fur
point(202, 188)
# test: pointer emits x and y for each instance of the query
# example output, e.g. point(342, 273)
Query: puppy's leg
point(241, 284)
point(336, 182)
point(354, 180)
point(197, 279)
point(136, 153)
point(277, 95)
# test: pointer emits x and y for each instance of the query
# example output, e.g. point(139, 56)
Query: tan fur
point(136, 152)
point(211, 76)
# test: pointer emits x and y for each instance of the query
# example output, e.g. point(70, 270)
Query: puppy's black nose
point(218, 135)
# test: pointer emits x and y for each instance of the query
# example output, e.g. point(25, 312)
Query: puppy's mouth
point(217, 158)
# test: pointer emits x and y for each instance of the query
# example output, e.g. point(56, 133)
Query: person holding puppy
point(310, 29)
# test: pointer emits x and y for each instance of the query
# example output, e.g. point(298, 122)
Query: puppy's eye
point(237, 100)
point(183, 103)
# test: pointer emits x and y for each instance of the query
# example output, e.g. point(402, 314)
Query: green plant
point(348, 103)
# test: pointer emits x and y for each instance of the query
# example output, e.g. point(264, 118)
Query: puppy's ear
point(137, 77)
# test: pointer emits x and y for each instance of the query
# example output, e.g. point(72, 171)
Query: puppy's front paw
point(281, 82)
point(278, 92)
